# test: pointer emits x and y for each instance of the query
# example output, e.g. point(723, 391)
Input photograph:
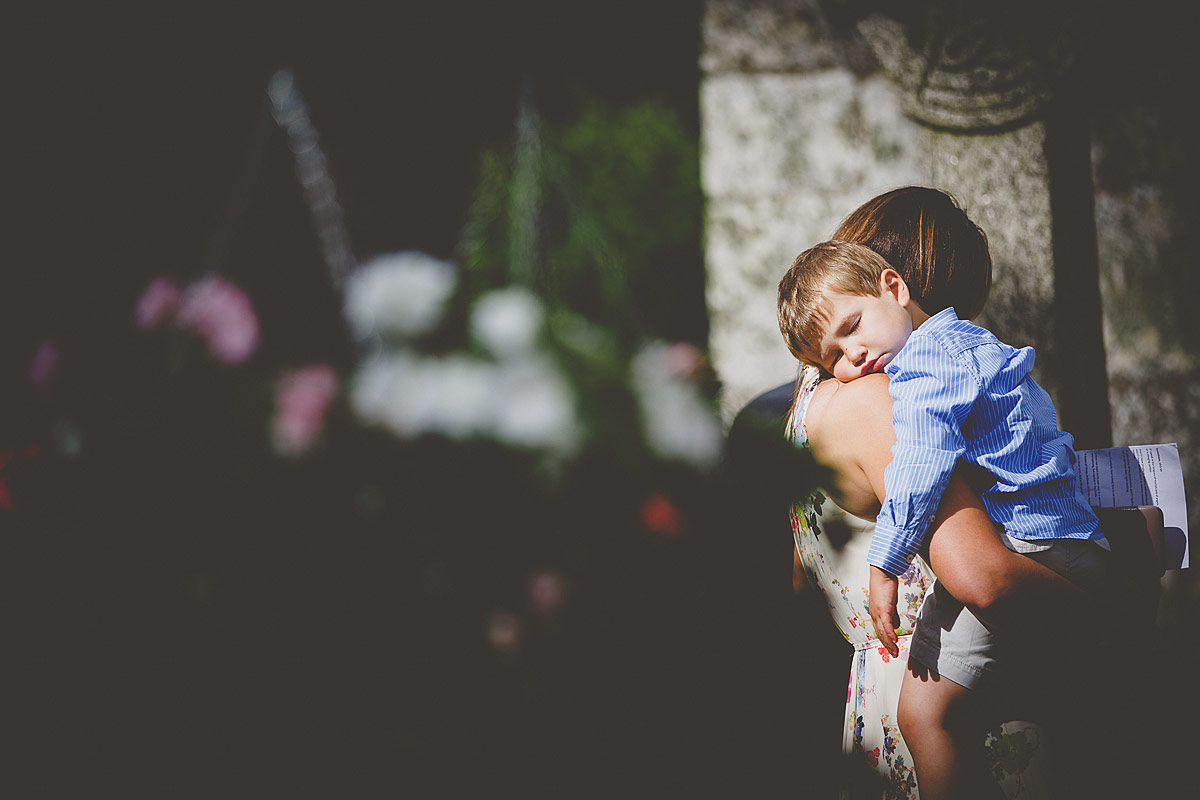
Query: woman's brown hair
point(923, 233)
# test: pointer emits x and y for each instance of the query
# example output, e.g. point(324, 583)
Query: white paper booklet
point(1141, 475)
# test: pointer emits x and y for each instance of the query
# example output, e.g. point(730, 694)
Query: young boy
point(959, 394)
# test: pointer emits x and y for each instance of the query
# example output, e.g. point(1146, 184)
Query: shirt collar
point(941, 318)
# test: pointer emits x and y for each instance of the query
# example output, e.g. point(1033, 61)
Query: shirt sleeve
point(932, 393)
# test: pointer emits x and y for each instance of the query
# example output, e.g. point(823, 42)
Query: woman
point(944, 257)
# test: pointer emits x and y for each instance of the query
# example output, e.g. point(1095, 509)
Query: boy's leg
point(943, 711)
point(943, 724)
point(1056, 623)
point(1006, 589)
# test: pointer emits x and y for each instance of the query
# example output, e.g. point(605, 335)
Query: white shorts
point(950, 641)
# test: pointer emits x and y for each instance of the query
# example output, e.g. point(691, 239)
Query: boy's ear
point(891, 283)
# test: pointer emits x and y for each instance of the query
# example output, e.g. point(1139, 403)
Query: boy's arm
point(932, 393)
point(883, 592)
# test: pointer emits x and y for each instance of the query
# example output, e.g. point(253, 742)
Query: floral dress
point(832, 545)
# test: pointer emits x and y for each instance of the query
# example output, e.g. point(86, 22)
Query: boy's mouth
point(877, 364)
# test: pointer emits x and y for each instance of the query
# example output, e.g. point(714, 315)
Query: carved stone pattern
point(965, 74)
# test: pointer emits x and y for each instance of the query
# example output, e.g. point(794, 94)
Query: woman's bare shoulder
point(849, 427)
point(840, 413)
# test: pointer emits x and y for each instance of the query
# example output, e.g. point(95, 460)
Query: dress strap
point(809, 378)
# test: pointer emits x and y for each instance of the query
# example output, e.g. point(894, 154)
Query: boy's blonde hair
point(829, 267)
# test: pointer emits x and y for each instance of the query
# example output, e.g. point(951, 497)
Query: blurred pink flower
point(546, 592)
point(44, 363)
point(682, 360)
point(158, 303)
point(302, 398)
point(221, 314)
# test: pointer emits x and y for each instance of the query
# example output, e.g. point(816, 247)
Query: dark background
point(129, 131)
point(138, 145)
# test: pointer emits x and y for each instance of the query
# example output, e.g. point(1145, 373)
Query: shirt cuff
point(886, 552)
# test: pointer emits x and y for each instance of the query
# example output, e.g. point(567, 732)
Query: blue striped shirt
point(960, 393)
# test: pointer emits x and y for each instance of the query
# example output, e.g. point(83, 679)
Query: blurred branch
point(291, 115)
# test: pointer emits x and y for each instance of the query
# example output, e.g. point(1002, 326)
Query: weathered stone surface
point(774, 133)
point(1000, 180)
point(755, 240)
point(770, 36)
point(1149, 290)
point(793, 140)
point(783, 159)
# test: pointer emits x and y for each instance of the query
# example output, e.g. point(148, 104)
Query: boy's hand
point(881, 605)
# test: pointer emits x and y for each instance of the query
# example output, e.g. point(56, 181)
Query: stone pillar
point(1000, 180)
point(804, 118)
point(798, 128)
point(1002, 135)
point(1147, 211)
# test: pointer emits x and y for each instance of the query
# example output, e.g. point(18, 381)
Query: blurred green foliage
point(600, 213)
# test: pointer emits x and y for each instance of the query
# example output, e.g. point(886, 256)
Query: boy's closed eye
point(847, 329)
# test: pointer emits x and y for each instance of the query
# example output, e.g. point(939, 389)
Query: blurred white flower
point(412, 395)
point(521, 402)
point(521, 399)
point(372, 385)
point(462, 390)
point(507, 321)
point(534, 406)
point(402, 293)
point(679, 422)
